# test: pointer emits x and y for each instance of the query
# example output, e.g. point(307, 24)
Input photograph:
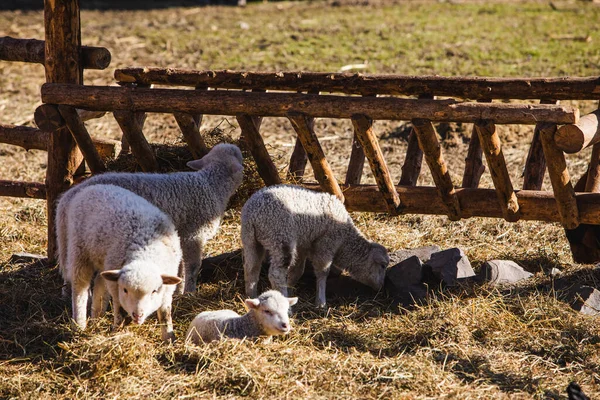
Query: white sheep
point(131, 244)
point(195, 201)
point(292, 224)
point(267, 315)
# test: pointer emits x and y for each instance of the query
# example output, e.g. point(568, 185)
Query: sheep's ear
point(170, 279)
point(196, 165)
point(252, 303)
point(292, 300)
point(111, 275)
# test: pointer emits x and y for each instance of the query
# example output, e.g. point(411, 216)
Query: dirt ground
point(471, 342)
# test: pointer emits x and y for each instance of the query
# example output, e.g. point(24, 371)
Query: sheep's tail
point(62, 227)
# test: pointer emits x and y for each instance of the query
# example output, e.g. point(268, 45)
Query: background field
point(473, 342)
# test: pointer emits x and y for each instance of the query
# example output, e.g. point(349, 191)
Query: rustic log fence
point(302, 97)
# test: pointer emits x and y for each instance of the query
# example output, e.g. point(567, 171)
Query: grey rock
point(585, 299)
point(450, 266)
point(405, 273)
point(501, 272)
point(424, 253)
point(410, 295)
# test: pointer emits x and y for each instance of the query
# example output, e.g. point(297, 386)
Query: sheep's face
point(141, 293)
point(272, 312)
point(373, 273)
point(223, 152)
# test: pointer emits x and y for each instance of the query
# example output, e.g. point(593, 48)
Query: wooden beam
point(363, 128)
point(33, 51)
point(190, 128)
point(593, 176)
point(298, 159)
point(474, 166)
point(32, 190)
point(102, 98)
point(356, 163)
point(559, 176)
point(535, 166)
point(132, 131)
point(83, 139)
point(465, 87)
point(323, 173)
point(62, 65)
point(48, 118)
point(492, 148)
point(575, 137)
point(534, 205)
point(430, 146)
point(24, 136)
point(254, 141)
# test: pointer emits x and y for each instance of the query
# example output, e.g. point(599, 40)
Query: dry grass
point(469, 342)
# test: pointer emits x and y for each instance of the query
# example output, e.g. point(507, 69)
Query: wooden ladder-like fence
point(302, 97)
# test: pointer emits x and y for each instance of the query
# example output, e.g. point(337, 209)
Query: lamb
point(292, 224)
point(195, 201)
point(131, 244)
point(267, 315)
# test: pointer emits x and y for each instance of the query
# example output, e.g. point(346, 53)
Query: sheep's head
point(372, 272)
point(272, 311)
point(140, 291)
point(221, 153)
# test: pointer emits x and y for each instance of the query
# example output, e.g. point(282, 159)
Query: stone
point(424, 253)
point(405, 273)
point(585, 299)
point(410, 295)
point(501, 272)
point(451, 266)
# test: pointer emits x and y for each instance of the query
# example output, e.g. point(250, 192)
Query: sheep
point(267, 315)
point(195, 201)
point(131, 244)
point(292, 224)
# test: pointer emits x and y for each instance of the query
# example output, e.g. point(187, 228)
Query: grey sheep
point(195, 201)
point(131, 244)
point(292, 224)
point(267, 315)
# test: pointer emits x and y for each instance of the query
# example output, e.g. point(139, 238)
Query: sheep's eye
point(124, 290)
point(154, 291)
point(268, 312)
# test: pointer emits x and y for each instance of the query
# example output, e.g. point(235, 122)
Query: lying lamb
point(292, 224)
point(267, 315)
point(131, 243)
point(195, 201)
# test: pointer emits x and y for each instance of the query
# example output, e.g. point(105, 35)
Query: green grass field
point(465, 343)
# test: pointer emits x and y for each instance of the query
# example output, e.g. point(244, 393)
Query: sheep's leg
point(113, 289)
point(321, 266)
point(192, 261)
point(281, 261)
point(166, 323)
point(296, 271)
point(98, 297)
point(79, 298)
point(253, 256)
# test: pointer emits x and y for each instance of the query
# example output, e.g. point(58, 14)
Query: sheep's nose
point(137, 316)
point(285, 326)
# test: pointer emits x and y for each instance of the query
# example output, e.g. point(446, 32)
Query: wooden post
point(356, 163)
point(559, 176)
point(299, 158)
point(535, 166)
point(490, 142)
point(62, 65)
point(411, 169)
point(33, 190)
point(430, 146)
point(83, 139)
point(190, 128)
point(310, 142)
point(48, 118)
point(254, 141)
point(131, 126)
point(24, 136)
point(413, 160)
point(474, 166)
point(593, 178)
point(363, 128)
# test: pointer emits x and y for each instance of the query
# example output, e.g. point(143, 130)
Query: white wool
point(293, 224)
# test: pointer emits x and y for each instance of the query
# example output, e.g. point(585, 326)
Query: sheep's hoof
point(168, 337)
